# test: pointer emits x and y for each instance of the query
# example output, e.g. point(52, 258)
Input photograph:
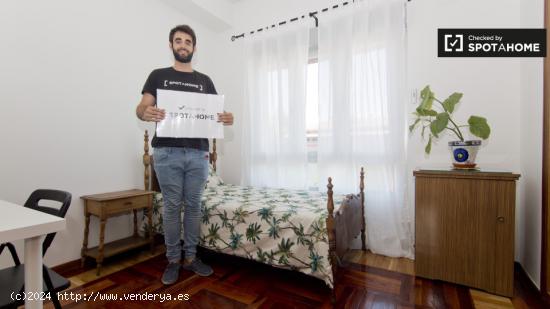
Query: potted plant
point(440, 119)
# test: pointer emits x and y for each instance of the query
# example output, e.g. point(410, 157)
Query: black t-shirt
point(170, 79)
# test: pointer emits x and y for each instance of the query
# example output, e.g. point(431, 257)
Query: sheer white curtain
point(362, 114)
point(274, 130)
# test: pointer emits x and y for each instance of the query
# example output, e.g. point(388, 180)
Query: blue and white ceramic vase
point(464, 153)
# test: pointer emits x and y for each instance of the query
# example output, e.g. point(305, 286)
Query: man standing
point(181, 164)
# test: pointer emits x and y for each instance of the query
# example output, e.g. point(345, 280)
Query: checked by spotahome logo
point(491, 42)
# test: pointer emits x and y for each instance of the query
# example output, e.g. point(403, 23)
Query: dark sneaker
point(171, 273)
point(199, 268)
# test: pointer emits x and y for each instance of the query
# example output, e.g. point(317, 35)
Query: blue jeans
point(182, 175)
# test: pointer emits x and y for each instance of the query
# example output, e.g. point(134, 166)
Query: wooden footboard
point(346, 223)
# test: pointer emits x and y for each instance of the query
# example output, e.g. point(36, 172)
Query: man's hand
point(152, 113)
point(146, 109)
point(226, 118)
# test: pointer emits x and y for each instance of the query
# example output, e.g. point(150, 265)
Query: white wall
point(529, 214)
point(71, 74)
point(497, 88)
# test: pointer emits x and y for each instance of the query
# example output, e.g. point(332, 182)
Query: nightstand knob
point(500, 219)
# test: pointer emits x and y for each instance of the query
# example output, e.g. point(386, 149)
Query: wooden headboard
point(150, 177)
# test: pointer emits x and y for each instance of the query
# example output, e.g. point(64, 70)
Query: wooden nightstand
point(112, 204)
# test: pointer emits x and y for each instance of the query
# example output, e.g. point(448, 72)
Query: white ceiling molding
point(217, 15)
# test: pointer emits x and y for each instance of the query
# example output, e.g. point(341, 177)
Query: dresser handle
point(500, 219)
point(128, 203)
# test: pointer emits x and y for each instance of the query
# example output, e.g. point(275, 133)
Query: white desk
point(18, 222)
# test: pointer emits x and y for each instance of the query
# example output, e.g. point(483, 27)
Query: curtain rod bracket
point(314, 15)
point(234, 37)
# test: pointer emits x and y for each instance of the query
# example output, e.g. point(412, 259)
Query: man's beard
point(185, 59)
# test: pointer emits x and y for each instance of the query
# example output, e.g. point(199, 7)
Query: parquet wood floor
point(365, 281)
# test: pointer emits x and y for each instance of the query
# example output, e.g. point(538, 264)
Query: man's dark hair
point(184, 29)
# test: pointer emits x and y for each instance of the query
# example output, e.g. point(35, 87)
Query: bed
point(291, 229)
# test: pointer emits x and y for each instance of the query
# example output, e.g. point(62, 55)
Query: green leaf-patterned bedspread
point(280, 227)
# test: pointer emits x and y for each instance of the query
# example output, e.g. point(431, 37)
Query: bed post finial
point(363, 225)
point(214, 154)
point(330, 202)
point(146, 160)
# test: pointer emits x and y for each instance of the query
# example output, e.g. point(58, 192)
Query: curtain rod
point(310, 14)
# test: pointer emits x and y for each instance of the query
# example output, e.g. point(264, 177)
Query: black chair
point(12, 279)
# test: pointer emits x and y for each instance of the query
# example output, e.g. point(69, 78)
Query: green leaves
point(235, 240)
point(451, 101)
point(265, 213)
point(427, 97)
point(411, 127)
point(213, 235)
point(479, 127)
point(439, 119)
point(428, 148)
point(274, 228)
point(316, 261)
point(253, 232)
point(439, 124)
point(240, 215)
point(425, 112)
point(425, 107)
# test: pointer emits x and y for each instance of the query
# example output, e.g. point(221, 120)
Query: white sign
point(189, 114)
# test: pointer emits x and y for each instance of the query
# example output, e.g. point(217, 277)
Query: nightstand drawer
point(126, 204)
